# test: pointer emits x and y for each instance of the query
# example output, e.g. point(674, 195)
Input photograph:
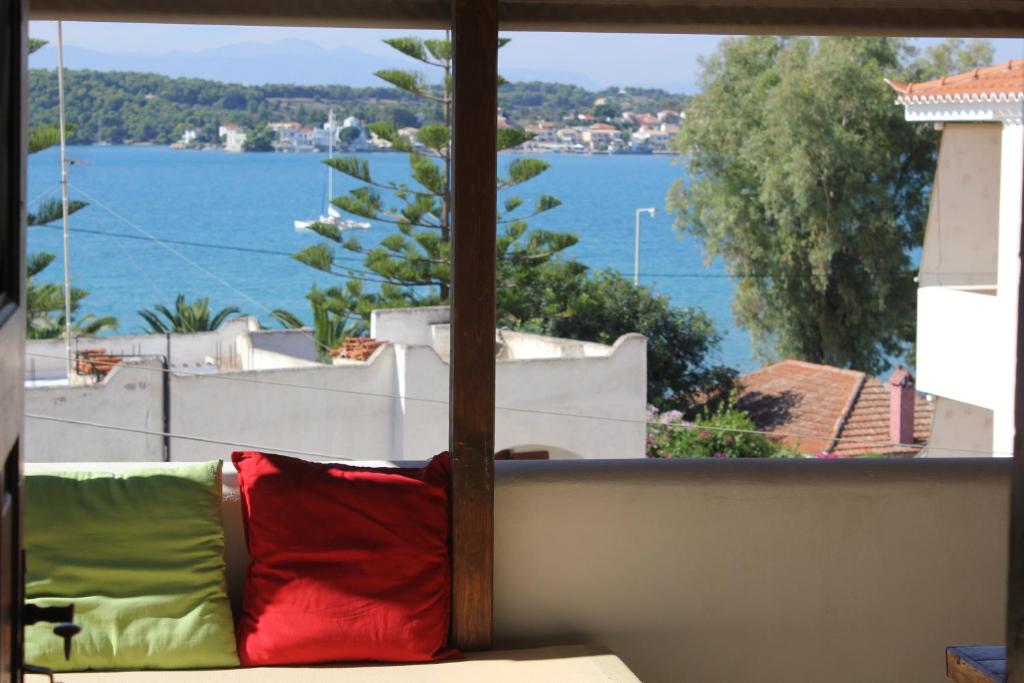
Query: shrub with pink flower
point(727, 432)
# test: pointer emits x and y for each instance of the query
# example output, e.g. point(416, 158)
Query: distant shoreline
point(376, 151)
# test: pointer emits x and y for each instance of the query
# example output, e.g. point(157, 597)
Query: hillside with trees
point(122, 107)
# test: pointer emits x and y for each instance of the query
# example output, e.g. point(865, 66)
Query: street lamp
point(636, 250)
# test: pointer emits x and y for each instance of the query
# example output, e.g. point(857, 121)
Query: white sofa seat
point(555, 664)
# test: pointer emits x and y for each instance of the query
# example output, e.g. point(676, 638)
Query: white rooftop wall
point(575, 399)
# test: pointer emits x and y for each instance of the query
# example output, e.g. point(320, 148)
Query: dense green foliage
point(260, 140)
point(726, 432)
point(806, 179)
point(602, 306)
point(195, 316)
point(122, 106)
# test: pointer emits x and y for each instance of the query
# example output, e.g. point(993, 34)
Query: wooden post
point(474, 211)
point(1015, 589)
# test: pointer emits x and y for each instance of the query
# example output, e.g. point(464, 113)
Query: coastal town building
point(601, 136)
point(386, 400)
point(232, 136)
point(969, 270)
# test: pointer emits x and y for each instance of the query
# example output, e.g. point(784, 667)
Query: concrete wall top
point(407, 325)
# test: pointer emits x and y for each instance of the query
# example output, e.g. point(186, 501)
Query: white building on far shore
point(233, 136)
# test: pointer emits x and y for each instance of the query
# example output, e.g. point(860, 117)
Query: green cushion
point(141, 555)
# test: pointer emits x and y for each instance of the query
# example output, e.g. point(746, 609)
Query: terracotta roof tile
point(867, 429)
point(802, 400)
point(809, 405)
point(1003, 82)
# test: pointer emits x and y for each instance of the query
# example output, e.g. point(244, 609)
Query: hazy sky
point(605, 59)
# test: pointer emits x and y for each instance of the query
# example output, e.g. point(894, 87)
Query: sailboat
point(333, 216)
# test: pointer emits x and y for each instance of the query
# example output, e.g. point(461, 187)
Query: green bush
point(726, 432)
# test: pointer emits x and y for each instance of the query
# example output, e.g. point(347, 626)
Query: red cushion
point(348, 563)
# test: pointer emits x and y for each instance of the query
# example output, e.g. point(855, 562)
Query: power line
point(186, 259)
point(185, 437)
point(514, 409)
point(352, 259)
point(188, 243)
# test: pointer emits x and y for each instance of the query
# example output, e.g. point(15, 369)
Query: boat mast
point(330, 154)
point(64, 199)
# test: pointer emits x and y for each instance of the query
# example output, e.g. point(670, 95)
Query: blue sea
point(250, 200)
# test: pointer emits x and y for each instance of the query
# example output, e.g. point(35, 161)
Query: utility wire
point(188, 243)
point(186, 437)
point(530, 411)
point(186, 259)
point(326, 456)
point(353, 259)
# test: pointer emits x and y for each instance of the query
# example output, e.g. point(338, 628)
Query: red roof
point(816, 408)
point(1000, 83)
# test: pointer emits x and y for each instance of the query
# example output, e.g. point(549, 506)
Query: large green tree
point(411, 265)
point(45, 301)
point(604, 305)
point(804, 177)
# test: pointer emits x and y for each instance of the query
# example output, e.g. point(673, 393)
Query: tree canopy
point(804, 177)
point(604, 305)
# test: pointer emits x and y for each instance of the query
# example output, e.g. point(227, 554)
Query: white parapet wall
point(46, 357)
point(392, 406)
point(130, 396)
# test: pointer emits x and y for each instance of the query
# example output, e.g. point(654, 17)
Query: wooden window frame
point(475, 24)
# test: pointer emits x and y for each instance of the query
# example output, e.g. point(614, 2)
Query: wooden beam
point(474, 211)
point(991, 18)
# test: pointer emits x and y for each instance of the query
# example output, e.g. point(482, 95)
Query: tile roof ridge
point(844, 416)
point(793, 362)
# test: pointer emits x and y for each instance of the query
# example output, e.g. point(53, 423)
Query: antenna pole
point(64, 199)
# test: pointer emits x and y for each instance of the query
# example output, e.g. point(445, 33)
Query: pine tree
point(412, 264)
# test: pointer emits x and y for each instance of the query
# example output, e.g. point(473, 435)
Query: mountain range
point(301, 62)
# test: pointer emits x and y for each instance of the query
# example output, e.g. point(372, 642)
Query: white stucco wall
point(965, 353)
point(393, 406)
point(407, 325)
point(47, 356)
point(959, 430)
point(130, 396)
point(742, 571)
point(1011, 187)
point(957, 351)
point(343, 411)
point(269, 349)
point(961, 235)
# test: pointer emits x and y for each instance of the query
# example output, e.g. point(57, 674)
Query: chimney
point(901, 407)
